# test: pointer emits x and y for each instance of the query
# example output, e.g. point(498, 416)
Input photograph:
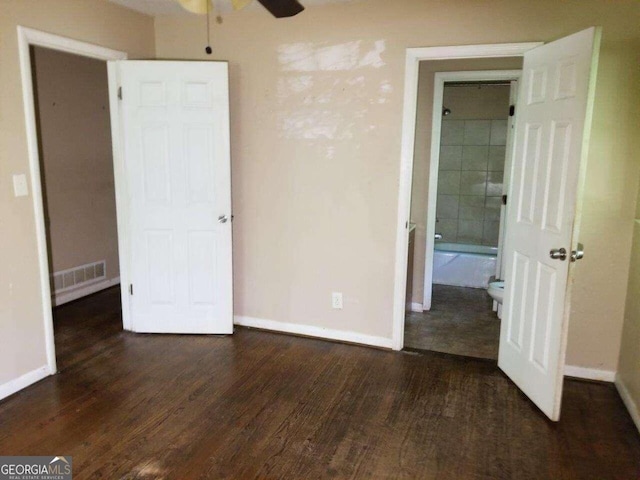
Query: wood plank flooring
point(460, 322)
point(262, 405)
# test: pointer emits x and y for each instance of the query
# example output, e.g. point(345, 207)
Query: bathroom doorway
point(467, 176)
point(551, 132)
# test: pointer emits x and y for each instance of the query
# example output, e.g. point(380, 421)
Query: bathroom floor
point(460, 322)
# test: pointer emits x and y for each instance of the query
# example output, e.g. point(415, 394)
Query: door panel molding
point(173, 129)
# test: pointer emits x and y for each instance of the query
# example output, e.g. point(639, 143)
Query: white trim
point(627, 399)
point(412, 62)
point(67, 297)
point(416, 307)
point(69, 45)
point(492, 50)
point(313, 331)
point(440, 78)
point(26, 38)
point(29, 378)
point(589, 373)
point(122, 194)
point(508, 163)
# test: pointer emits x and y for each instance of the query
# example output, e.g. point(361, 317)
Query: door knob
point(222, 219)
point(558, 254)
point(438, 236)
point(577, 254)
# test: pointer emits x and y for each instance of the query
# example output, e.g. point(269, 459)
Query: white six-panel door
point(174, 129)
point(556, 97)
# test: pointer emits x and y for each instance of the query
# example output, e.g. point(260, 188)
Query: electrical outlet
point(336, 300)
point(20, 188)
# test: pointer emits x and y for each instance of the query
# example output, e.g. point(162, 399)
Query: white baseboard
point(12, 386)
point(311, 331)
point(589, 373)
point(416, 307)
point(66, 297)
point(628, 401)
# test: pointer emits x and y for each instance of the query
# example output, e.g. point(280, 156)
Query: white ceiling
point(170, 7)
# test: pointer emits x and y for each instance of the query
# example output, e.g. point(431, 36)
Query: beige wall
point(422, 149)
point(21, 325)
point(317, 109)
point(76, 160)
point(629, 366)
point(477, 102)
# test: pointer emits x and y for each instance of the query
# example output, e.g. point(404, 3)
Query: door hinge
point(504, 199)
point(512, 110)
point(131, 289)
point(119, 93)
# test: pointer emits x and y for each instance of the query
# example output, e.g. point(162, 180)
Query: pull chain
point(208, 48)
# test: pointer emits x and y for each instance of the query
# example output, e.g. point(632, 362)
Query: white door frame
point(28, 37)
point(508, 163)
point(438, 99)
point(413, 58)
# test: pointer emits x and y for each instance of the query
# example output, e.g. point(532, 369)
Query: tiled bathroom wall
point(470, 179)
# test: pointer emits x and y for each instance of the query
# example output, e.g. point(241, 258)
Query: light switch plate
point(20, 188)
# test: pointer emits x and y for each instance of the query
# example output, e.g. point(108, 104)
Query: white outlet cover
point(336, 300)
point(20, 188)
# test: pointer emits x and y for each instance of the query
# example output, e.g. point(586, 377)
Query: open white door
point(552, 129)
point(173, 126)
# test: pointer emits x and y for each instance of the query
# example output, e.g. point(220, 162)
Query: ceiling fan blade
point(282, 8)
point(195, 6)
point(240, 4)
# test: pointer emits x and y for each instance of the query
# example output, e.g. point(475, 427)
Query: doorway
point(88, 276)
point(471, 125)
point(552, 126)
point(418, 108)
point(71, 106)
point(172, 115)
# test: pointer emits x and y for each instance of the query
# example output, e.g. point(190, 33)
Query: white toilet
point(496, 291)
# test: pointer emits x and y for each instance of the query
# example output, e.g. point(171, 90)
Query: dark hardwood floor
point(460, 322)
point(262, 405)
